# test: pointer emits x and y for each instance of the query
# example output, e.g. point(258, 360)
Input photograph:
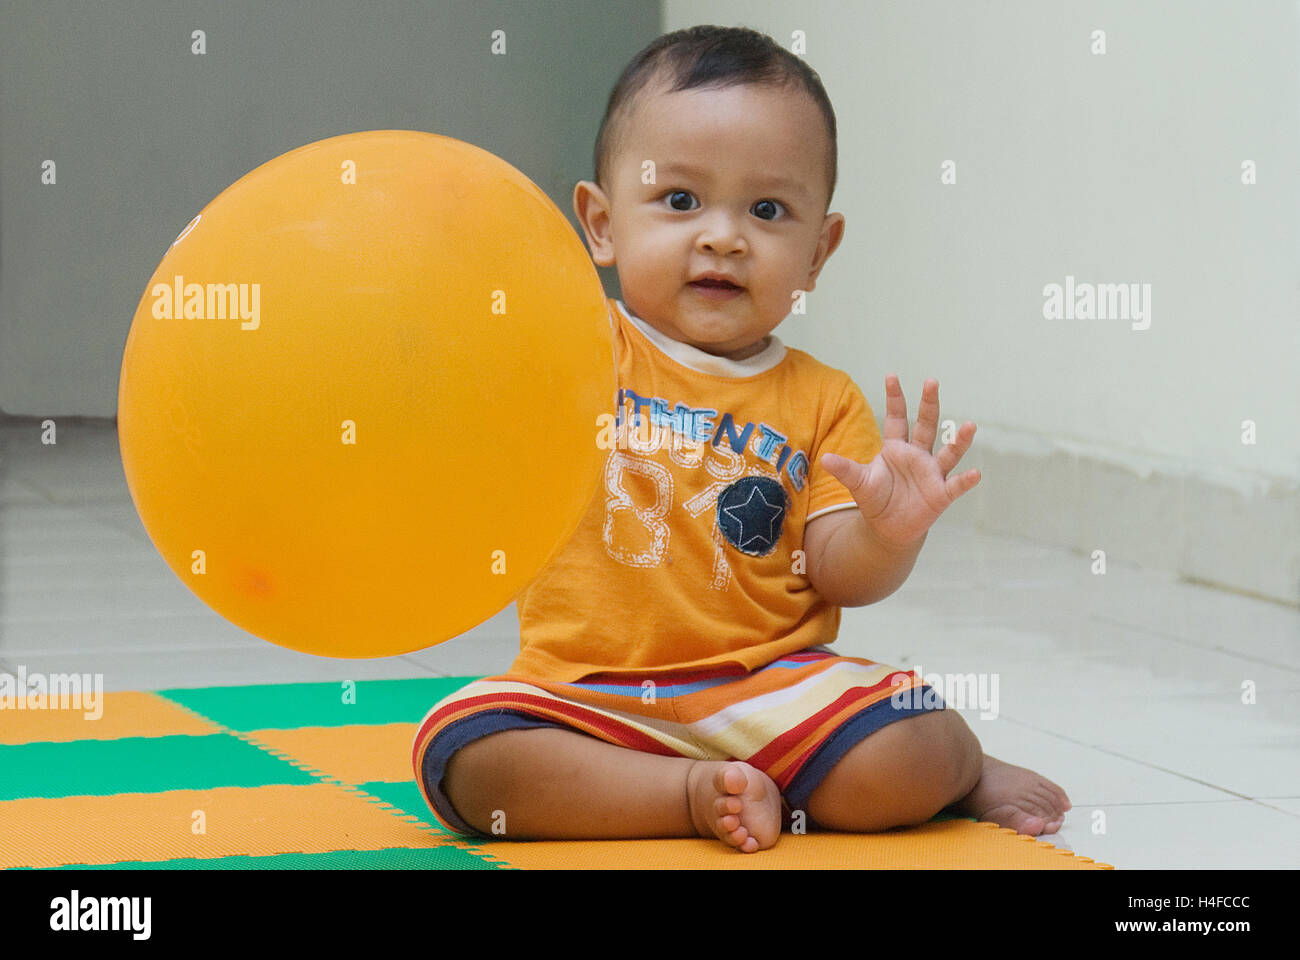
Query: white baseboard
point(1239, 532)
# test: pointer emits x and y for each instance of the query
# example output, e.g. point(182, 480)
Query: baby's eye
point(677, 193)
point(763, 204)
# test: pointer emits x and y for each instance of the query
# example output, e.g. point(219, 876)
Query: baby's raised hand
point(905, 488)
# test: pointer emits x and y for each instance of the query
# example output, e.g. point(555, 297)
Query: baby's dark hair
point(710, 56)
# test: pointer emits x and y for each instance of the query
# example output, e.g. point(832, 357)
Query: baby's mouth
point(715, 285)
point(717, 291)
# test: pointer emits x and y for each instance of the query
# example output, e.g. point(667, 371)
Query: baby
point(673, 677)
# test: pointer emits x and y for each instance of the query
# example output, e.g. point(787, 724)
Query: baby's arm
point(848, 565)
point(860, 556)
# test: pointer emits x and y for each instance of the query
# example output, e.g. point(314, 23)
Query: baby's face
point(739, 189)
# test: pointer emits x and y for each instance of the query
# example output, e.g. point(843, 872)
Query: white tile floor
point(1126, 689)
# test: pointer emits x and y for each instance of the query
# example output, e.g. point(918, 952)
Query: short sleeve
point(851, 431)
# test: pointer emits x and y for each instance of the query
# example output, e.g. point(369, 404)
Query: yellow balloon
point(359, 402)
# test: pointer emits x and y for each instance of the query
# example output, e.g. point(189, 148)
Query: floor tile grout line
point(406, 658)
point(1199, 646)
point(1281, 810)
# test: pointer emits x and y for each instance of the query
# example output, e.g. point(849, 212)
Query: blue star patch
point(750, 512)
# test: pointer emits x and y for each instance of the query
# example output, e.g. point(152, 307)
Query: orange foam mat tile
point(946, 845)
point(266, 820)
point(355, 754)
point(125, 714)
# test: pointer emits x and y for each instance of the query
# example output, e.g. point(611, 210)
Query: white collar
point(696, 359)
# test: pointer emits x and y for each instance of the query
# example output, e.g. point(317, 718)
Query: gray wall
point(144, 133)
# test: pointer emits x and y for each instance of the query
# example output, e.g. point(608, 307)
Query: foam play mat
point(317, 775)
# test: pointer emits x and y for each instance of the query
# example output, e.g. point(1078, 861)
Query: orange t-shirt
point(686, 555)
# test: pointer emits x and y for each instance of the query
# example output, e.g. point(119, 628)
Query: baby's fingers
point(952, 452)
point(961, 483)
point(895, 410)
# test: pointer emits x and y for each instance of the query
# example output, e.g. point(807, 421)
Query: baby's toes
point(1019, 817)
point(730, 779)
point(735, 834)
point(727, 812)
point(1051, 815)
point(1027, 823)
point(741, 839)
point(1040, 817)
point(1053, 811)
point(1059, 799)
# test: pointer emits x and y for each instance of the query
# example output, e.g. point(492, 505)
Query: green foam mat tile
point(138, 765)
point(288, 706)
point(406, 797)
point(444, 857)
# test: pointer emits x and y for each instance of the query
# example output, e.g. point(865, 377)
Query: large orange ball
point(359, 401)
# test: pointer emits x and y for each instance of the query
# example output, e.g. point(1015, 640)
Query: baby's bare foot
point(737, 803)
point(1014, 797)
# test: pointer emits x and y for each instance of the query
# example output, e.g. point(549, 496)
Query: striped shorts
point(793, 719)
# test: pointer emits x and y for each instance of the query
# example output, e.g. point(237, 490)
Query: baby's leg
point(906, 772)
point(563, 785)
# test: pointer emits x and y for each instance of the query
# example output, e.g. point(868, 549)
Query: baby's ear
point(591, 206)
point(831, 235)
